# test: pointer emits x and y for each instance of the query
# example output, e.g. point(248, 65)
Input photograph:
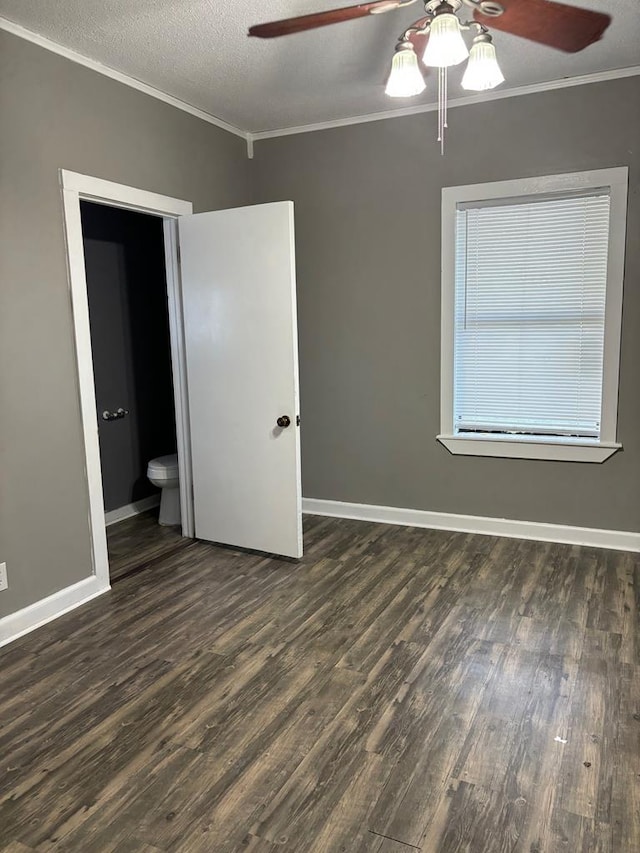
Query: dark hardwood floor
point(137, 543)
point(396, 690)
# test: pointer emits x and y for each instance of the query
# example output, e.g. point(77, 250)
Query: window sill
point(555, 449)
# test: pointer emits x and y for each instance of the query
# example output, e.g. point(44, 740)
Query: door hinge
point(297, 420)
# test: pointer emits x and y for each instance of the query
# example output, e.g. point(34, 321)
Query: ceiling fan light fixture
point(483, 71)
point(405, 79)
point(554, 24)
point(445, 46)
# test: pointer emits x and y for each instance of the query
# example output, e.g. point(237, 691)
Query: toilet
point(163, 473)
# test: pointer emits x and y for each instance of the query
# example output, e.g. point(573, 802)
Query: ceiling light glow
point(405, 79)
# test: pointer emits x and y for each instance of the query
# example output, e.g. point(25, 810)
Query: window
point(531, 310)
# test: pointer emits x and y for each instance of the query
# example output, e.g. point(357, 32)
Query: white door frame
point(76, 187)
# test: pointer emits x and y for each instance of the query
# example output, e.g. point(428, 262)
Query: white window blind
point(530, 287)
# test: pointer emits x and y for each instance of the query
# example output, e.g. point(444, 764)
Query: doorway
point(77, 190)
point(130, 342)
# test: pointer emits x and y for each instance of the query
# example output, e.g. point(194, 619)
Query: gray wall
point(367, 206)
point(367, 201)
point(129, 318)
point(56, 114)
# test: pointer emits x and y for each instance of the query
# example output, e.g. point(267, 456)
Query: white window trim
point(537, 447)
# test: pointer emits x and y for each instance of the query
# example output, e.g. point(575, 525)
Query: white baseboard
point(620, 540)
point(34, 615)
point(129, 510)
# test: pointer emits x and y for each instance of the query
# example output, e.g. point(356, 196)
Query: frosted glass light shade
point(483, 71)
point(445, 46)
point(405, 79)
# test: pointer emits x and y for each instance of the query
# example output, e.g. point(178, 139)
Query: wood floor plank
point(625, 794)
point(331, 764)
point(129, 737)
point(77, 715)
point(473, 818)
point(117, 817)
point(587, 770)
point(346, 824)
point(576, 832)
point(396, 689)
point(425, 732)
point(628, 573)
point(241, 781)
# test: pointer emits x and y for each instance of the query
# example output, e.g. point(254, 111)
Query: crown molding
point(254, 136)
point(516, 92)
point(105, 70)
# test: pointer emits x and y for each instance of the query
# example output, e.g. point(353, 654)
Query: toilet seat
point(163, 467)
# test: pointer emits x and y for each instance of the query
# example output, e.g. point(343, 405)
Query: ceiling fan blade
point(557, 25)
point(322, 19)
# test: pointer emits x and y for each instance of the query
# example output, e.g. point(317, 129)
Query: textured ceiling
point(197, 50)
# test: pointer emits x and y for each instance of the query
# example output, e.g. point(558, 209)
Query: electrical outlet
point(4, 581)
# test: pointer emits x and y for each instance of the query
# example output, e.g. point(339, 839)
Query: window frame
point(538, 447)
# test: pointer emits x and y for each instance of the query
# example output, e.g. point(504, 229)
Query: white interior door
point(239, 301)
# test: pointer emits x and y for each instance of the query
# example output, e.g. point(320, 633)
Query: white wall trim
point(526, 447)
point(120, 195)
point(107, 71)
point(418, 109)
point(620, 540)
point(129, 510)
point(35, 615)
point(179, 372)
point(76, 187)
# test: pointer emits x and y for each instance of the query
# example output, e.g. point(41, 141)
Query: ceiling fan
point(435, 40)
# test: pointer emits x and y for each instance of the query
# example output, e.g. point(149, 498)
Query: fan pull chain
point(442, 106)
point(446, 99)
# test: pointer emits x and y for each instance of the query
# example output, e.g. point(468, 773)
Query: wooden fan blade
point(322, 19)
point(557, 25)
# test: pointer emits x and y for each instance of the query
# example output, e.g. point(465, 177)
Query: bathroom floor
point(137, 542)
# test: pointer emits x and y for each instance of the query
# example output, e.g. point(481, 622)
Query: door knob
point(284, 421)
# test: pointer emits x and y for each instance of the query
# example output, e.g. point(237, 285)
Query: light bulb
point(483, 71)
point(445, 46)
point(405, 78)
